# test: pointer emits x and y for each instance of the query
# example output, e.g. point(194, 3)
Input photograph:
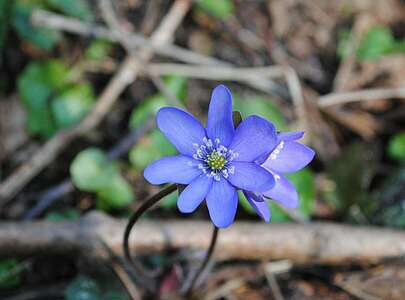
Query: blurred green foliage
point(376, 42)
point(99, 49)
point(150, 148)
point(51, 100)
point(84, 287)
point(351, 174)
point(69, 214)
point(75, 8)
point(91, 171)
point(5, 9)
point(18, 13)
point(44, 38)
point(149, 107)
point(396, 147)
point(393, 193)
point(261, 106)
point(221, 9)
point(9, 277)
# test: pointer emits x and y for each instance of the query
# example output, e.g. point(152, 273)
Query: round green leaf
point(72, 104)
point(117, 194)
point(76, 8)
point(115, 295)
point(149, 107)
point(83, 288)
point(45, 38)
point(91, 171)
point(396, 147)
point(221, 9)
point(262, 107)
point(150, 148)
point(8, 277)
point(98, 50)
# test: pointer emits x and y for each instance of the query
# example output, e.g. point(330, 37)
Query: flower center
point(216, 160)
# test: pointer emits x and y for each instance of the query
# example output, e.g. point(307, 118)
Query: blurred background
point(80, 83)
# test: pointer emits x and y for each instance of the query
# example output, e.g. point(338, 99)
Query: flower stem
point(144, 277)
point(205, 262)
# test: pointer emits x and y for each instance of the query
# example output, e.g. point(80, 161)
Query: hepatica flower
point(218, 160)
point(287, 157)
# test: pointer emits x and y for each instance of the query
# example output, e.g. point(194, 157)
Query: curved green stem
point(145, 278)
point(204, 263)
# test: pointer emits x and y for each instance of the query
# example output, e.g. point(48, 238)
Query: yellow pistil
point(216, 160)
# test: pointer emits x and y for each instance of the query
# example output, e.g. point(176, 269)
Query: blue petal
point(220, 122)
point(194, 193)
point(254, 137)
point(175, 169)
point(289, 157)
point(261, 207)
point(222, 201)
point(283, 192)
point(181, 128)
point(251, 177)
point(290, 136)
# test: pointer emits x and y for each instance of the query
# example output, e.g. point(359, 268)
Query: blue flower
point(216, 161)
point(287, 157)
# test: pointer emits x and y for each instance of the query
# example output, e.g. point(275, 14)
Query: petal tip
point(148, 175)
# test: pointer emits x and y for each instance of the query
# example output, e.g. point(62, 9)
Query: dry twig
point(361, 95)
point(323, 243)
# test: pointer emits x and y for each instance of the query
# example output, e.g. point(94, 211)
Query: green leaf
point(150, 148)
point(72, 104)
point(376, 42)
point(396, 147)
point(352, 173)
point(117, 194)
point(345, 46)
point(115, 295)
point(170, 201)
point(35, 92)
point(98, 50)
point(394, 216)
point(221, 9)
point(260, 106)
point(55, 73)
point(69, 214)
point(146, 110)
point(37, 85)
point(5, 9)
point(83, 288)
point(74, 8)
point(44, 38)
point(150, 106)
point(392, 193)
point(304, 183)
point(177, 85)
point(8, 277)
point(91, 171)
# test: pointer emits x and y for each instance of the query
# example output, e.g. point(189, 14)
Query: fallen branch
point(314, 243)
point(126, 74)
